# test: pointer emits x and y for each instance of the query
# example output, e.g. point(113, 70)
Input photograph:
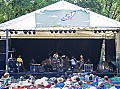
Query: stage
point(57, 74)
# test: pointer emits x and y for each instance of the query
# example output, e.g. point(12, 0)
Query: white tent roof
point(28, 21)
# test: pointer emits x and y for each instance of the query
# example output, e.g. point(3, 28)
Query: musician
point(55, 55)
point(73, 63)
point(81, 60)
point(20, 63)
point(50, 60)
point(56, 60)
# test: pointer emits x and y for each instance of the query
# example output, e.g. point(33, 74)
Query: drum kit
point(55, 63)
point(52, 64)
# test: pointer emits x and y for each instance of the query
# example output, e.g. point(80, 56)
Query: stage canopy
point(61, 17)
point(61, 20)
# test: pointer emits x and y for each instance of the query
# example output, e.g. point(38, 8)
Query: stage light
point(56, 31)
point(29, 32)
point(104, 31)
point(60, 31)
point(70, 31)
point(16, 32)
point(113, 31)
point(117, 31)
point(74, 31)
point(99, 31)
point(25, 32)
point(4, 30)
point(95, 31)
point(51, 31)
point(11, 31)
point(34, 32)
point(65, 31)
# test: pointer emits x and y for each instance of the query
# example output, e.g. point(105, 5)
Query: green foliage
point(109, 8)
point(10, 9)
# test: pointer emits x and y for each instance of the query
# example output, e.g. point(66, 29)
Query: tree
point(10, 9)
point(109, 8)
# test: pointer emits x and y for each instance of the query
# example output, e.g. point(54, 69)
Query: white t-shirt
point(55, 56)
point(73, 62)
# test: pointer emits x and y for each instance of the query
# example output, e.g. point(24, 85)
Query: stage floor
point(55, 74)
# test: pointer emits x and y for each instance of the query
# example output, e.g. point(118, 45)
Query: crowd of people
point(71, 81)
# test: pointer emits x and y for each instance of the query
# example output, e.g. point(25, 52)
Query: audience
point(73, 81)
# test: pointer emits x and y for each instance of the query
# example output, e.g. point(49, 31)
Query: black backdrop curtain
point(110, 50)
point(40, 49)
point(2, 55)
